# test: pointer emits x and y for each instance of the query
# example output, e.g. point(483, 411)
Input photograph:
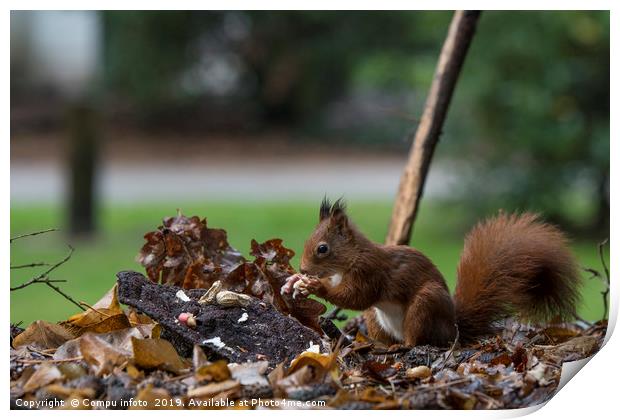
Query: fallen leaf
point(216, 371)
point(559, 334)
point(119, 340)
point(72, 370)
point(323, 362)
point(150, 398)
point(43, 335)
point(213, 389)
point(250, 374)
point(378, 371)
point(62, 391)
point(198, 357)
point(100, 355)
point(573, 349)
point(184, 252)
point(44, 374)
point(105, 316)
point(156, 353)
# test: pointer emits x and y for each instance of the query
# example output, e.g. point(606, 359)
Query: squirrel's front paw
point(306, 286)
point(289, 284)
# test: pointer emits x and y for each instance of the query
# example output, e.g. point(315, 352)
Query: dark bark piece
point(267, 334)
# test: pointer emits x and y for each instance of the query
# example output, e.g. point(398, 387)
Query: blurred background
point(249, 118)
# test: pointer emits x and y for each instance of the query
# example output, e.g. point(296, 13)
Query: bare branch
point(601, 253)
point(428, 131)
point(40, 232)
point(39, 264)
point(63, 294)
point(43, 277)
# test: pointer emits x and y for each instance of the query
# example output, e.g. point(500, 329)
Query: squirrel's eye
point(322, 249)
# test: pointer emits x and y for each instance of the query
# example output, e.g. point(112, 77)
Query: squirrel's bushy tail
point(514, 264)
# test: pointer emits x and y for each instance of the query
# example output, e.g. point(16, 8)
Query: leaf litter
point(249, 343)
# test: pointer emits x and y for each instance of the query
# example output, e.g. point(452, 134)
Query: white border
point(590, 394)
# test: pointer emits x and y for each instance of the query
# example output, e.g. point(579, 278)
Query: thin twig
point(601, 253)
point(63, 294)
point(42, 278)
point(71, 359)
point(39, 264)
point(456, 340)
point(40, 232)
point(93, 309)
point(432, 387)
point(334, 314)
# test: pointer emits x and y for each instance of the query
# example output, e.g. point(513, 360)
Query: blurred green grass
point(439, 233)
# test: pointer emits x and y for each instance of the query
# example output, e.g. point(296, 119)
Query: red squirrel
point(512, 264)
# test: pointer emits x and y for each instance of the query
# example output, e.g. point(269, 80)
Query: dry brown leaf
point(119, 339)
point(43, 335)
point(250, 374)
point(198, 357)
point(559, 334)
point(150, 398)
point(574, 349)
point(72, 370)
point(183, 251)
point(216, 371)
point(372, 395)
point(377, 370)
point(323, 362)
point(44, 374)
point(133, 372)
point(100, 355)
point(213, 389)
point(105, 316)
point(62, 391)
point(156, 353)
point(138, 319)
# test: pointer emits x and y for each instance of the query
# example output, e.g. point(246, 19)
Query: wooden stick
point(601, 253)
point(35, 361)
point(40, 232)
point(411, 186)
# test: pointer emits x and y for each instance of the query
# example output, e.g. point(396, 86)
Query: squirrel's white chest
point(335, 280)
point(390, 316)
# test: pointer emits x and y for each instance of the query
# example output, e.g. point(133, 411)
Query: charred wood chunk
point(254, 332)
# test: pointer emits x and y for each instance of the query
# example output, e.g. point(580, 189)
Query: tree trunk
point(82, 159)
point(411, 186)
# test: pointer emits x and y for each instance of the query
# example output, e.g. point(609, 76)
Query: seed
point(418, 372)
point(209, 296)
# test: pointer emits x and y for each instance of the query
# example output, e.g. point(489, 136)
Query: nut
point(183, 317)
point(228, 298)
point(420, 372)
point(210, 295)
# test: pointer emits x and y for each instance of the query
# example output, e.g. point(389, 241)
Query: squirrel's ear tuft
point(325, 210)
point(335, 212)
point(339, 207)
point(338, 215)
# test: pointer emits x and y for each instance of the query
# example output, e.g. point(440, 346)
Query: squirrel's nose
point(302, 271)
